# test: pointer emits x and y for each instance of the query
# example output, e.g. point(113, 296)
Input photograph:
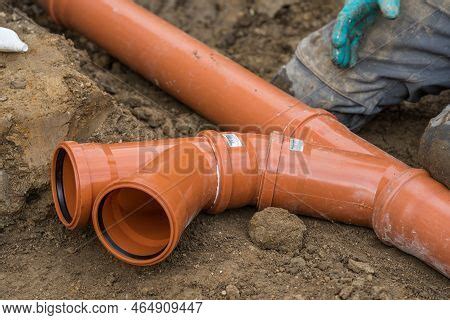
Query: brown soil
point(215, 259)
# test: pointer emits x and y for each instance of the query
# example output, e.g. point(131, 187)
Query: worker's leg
point(399, 60)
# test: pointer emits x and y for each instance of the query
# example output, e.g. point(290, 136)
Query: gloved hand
point(353, 20)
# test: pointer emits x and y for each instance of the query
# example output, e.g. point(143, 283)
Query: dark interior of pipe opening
point(65, 185)
point(134, 223)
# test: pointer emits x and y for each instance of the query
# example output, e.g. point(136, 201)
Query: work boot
point(434, 150)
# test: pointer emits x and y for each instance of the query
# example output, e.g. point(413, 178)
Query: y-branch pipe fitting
point(80, 171)
point(147, 193)
point(229, 95)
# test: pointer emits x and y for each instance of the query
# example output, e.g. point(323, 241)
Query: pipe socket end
point(71, 185)
point(135, 223)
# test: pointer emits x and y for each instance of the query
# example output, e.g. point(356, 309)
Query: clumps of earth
point(277, 229)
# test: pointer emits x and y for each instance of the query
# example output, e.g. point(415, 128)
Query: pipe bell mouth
point(71, 185)
point(135, 224)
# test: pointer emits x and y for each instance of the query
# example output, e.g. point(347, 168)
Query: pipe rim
point(72, 152)
point(117, 250)
point(60, 192)
point(384, 198)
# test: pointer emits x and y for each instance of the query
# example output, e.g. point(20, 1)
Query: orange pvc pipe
point(141, 215)
point(226, 93)
point(211, 84)
point(140, 218)
point(80, 171)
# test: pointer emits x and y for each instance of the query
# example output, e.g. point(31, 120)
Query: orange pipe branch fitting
point(80, 171)
point(211, 84)
point(230, 95)
point(406, 207)
point(141, 209)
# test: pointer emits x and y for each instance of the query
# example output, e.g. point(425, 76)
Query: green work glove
point(352, 22)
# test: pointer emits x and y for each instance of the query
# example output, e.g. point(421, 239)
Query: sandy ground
point(73, 90)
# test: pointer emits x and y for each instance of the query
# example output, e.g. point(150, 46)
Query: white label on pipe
point(233, 140)
point(296, 145)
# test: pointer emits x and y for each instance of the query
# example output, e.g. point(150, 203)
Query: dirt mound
point(45, 100)
point(277, 229)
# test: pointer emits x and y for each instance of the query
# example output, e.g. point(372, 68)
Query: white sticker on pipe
point(233, 140)
point(296, 145)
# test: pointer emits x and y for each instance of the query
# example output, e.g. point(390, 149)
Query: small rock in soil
point(296, 265)
point(323, 265)
point(379, 292)
point(346, 292)
point(153, 117)
point(360, 267)
point(271, 7)
point(169, 129)
point(311, 249)
point(133, 101)
point(296, 297)
point(70, 250)
point(185, 126)
point(108, 86)
point(232, 292)
point(18, 84)
point(111, 279)
point(102, 60)
point(144, 291)
point(277, 229)
point(358, 283)
point(3, 98)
